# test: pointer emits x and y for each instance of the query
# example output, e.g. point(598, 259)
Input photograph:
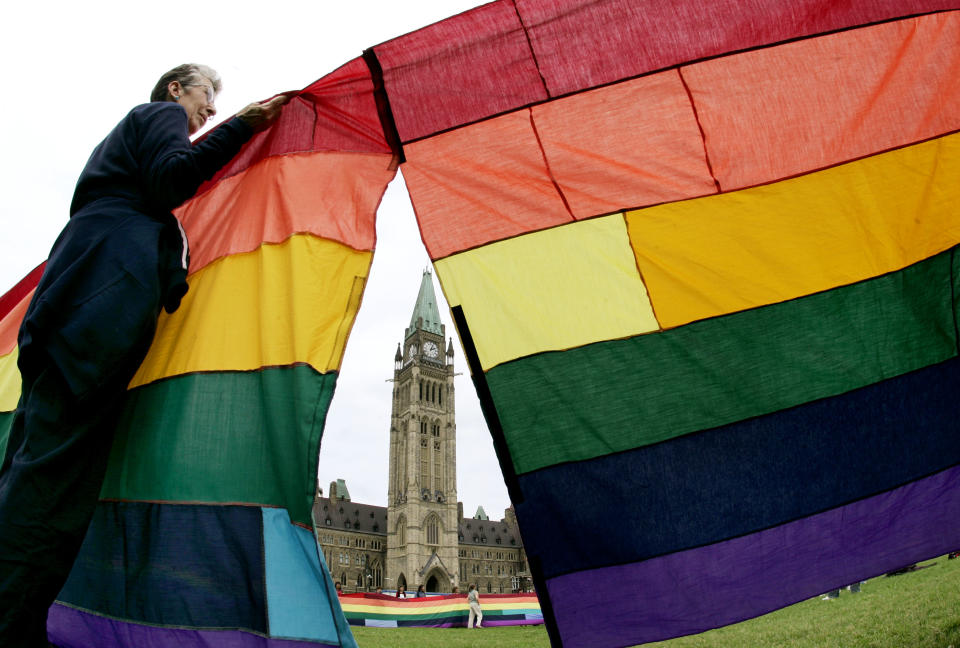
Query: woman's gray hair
point(187, 74)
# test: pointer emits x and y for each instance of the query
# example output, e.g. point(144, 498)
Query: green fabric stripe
point(231, 437)
point(6, 420)
point(623, 394)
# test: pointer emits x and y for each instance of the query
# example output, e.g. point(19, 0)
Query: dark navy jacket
point(122, 255)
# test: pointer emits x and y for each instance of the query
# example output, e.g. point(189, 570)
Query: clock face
point(430, 348)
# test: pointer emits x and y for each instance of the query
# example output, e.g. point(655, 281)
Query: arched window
point(440, 397)
point(433, 529)
point(421, 390)
point(401, 531)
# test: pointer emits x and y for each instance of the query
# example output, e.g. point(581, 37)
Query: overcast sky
point(75, 69)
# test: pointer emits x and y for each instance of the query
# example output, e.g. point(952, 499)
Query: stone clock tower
point(422, 535)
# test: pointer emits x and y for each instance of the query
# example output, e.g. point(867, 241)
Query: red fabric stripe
point(481, 63)
point(16, 294)
point(334, 113)
point(462, 69)
point(585, 43)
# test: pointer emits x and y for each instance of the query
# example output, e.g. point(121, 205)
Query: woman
point(421, 592)
point(401, 592)
point(473, 600)
point(121, 257)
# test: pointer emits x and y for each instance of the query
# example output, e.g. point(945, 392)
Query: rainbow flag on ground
point(447, 611)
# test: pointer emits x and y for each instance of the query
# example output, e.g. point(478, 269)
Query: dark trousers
point(52, 472)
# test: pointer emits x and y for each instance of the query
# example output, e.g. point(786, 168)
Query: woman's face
point(197, 99)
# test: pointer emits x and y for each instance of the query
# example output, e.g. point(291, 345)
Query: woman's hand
point(260, 115)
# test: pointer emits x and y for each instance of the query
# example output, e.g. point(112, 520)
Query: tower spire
point(426, 314)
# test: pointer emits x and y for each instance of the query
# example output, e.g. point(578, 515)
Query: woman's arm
point(172, 168)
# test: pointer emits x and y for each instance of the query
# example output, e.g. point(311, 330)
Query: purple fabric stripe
point(69, 627)
point(715, 585)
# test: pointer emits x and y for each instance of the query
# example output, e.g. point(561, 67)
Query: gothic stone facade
point(421, 536)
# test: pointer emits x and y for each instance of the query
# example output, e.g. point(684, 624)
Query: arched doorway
point(437, 580)
point(402, 582)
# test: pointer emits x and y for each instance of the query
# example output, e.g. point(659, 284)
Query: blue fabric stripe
point(740, 478)
point(301, 599)
point(174, 565)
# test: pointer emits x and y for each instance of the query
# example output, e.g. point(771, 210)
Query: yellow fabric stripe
point(280, 304)
point(720, 254)
point(9, 381)
point(553, 289)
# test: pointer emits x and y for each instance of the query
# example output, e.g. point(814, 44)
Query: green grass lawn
point(915, 610)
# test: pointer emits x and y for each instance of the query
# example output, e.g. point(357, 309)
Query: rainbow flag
point(702, 258)
point(13, 306)
point(203, 533)
point(448, 611)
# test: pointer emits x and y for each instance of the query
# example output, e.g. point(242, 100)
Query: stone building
point(421, 536)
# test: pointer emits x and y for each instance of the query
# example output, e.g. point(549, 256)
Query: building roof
point(343, 515)
point(426, 314)
point(486, 533)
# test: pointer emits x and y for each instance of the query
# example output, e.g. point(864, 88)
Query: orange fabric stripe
point(629, 144)
point(331, 195)
point(593, 144)
point(481, 183)
point(787, 110)
point(10, 325)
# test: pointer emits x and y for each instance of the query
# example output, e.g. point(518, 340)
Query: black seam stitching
point(546, 164)
point(384, 111)
point(703, 135)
